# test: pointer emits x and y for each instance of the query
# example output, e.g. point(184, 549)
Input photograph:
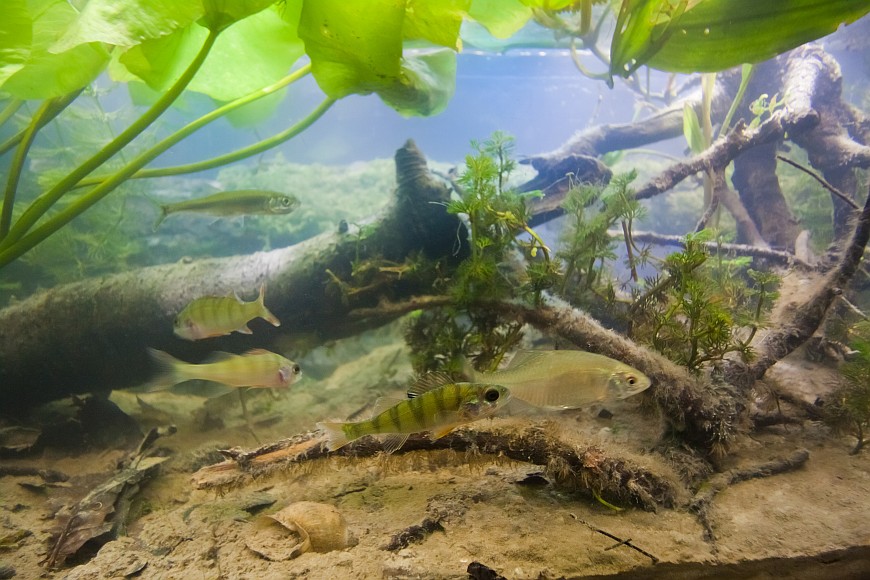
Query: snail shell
point(298, 528)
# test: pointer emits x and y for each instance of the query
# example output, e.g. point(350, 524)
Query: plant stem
point(242, 153)
point(44, 202)
point(748, 71)
point(10, 109)
point(194, 126)
point(57, 221)
point(48, 111)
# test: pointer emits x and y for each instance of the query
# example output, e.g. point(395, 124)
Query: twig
point(620, 541)
point(845, 198)
point(704, 498)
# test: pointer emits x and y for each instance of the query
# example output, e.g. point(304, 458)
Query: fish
point(233, 203)
point(257, 368)
point(211, 316)
point(438, 405)
point(566, 379)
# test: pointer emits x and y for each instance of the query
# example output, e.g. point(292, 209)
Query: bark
point(92, 335)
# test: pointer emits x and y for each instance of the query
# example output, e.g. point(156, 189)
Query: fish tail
point(167, 370)
point(335, 433)
point(265, 314)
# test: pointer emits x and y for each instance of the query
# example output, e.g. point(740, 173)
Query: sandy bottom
point(494, 510)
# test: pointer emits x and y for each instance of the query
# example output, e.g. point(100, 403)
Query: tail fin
point(336, 437)
point(264, 312)
point(167, 371)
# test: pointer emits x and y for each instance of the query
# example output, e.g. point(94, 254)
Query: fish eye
point(491, 395)
point(296, 369)
point(632, 380)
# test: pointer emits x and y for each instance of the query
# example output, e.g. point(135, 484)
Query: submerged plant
point(849, 409)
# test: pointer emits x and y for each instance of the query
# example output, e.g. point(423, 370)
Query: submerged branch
point(569, 466)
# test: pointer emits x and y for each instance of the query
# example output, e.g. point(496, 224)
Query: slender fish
point(438, 405)
point(219, 315)
point(566, 379)
point(233, 203)
point(256, 368)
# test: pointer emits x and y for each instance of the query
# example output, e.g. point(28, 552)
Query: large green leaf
point(355, 47)
point(128, 22)
point(502, 18)
point(253, 53)
point(16, 29)
point(46, 74)
point(426, 86)
point(714, 35)
point(642, 28)
point(219, 14)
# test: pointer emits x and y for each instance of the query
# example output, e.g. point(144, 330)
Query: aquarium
point(525, 289)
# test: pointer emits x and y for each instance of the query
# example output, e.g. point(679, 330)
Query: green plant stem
point(44, 202)
point(748, 71)
point(46, 112)
point(10, 109)
point(57, 221)
point(239, 154)
point(196, 125)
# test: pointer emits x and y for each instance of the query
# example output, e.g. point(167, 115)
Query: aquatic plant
point(849, 406)
point(698, 310)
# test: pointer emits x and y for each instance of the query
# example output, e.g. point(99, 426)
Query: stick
point(620, 541)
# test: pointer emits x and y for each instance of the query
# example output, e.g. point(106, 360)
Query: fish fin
point(167, 371)
point(517, 406)
point(244, 330)
point(427, 382)
point(393, 441)
point(384, 403)
point(265, 314)
point(524, 357)
point(468, 370)
point(257, 352)
point(335, 435)
point(442, 431)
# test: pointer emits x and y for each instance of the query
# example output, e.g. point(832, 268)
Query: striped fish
point(439, 405)
point(219, 315)
point(256, 368)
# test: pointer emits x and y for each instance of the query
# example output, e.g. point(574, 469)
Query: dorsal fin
point(525, 357)
point(384, 403)
point(257, 352)
point(218, 357)
point(427, 382)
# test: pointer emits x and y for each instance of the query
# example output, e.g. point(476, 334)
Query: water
point(109, 469)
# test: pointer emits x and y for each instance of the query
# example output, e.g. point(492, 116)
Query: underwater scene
point(445, 289)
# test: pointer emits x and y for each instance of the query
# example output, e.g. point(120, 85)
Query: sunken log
point(92, 336)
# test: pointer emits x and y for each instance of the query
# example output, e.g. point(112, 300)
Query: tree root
point(702, 502)
point(575, 468)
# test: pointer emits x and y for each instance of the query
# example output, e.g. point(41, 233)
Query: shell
point(324, 526)
point(298, 528)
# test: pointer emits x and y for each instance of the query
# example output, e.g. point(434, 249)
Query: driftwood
point(580, 468)
point(92, 335)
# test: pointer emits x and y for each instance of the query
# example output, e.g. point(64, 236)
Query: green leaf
point(502, 18)
point(692, 129)
point(642, 28)
point(355, 46)
point(220, 14)
point(45, 74)
point(426, 84)
point(128, 22)
point(438, 22)
point(254, 53)
point(15, 37)
point(718, 34)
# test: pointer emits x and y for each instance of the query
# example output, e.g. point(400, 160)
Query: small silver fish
point(233, 203)
point(566, 379)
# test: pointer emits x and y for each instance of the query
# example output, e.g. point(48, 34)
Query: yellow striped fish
point(256, 368)
point(566, 379)
point(219, 315)
point(438, 405)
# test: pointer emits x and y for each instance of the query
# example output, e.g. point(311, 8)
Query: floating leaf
point(427, 84)
point(642, 28)
point(502, 18)
point(15, 37)
point(46, 74)
point(220, 14)
point(128, 22)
